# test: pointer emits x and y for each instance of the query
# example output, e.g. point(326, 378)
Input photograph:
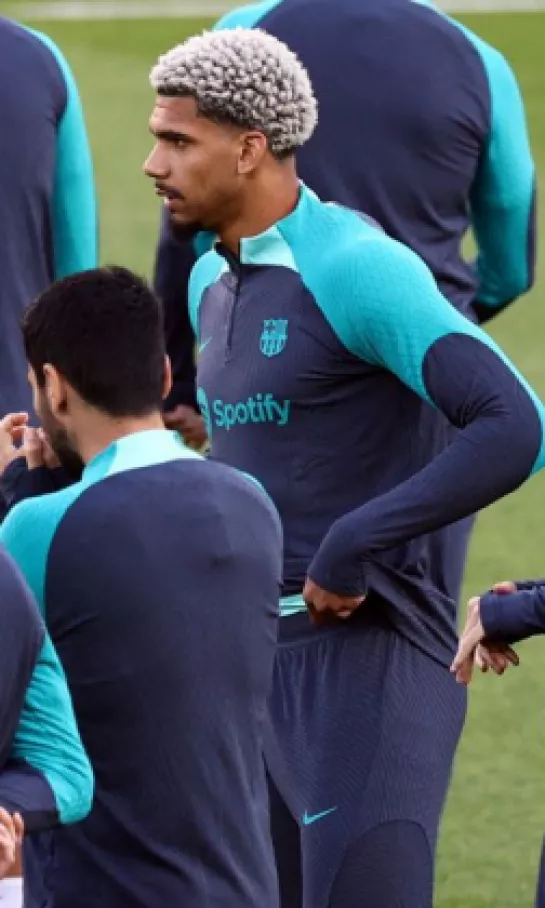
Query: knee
point(390, 866)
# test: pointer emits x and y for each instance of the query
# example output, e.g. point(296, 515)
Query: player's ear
point(253, 148)
point(55, 390)
point(167, 378)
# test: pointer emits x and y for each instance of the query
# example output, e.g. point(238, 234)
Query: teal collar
point(137, 450)
point(271, 247)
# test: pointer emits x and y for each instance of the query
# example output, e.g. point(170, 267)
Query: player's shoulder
point(28, 531)
point(31, 518)
point(358, 256)
point(35, 52)
point(246, 16)
point(244, 489)
point(494, 61)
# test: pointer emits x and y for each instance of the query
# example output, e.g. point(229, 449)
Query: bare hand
point(11, 836)
point(12, 428)
point(188, 423)
point(497, 656)
point(38, 451)
point(474, 650)
point(324, 606)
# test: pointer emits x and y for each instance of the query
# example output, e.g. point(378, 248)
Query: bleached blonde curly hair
point(245, 77)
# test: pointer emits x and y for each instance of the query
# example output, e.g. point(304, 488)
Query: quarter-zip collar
point(269, 248)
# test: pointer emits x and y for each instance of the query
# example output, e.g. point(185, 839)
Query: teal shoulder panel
point(378, 296)
point(28, 531)
point(247, 16)
point(206, 272)
point(75, 219)
point(47, 738)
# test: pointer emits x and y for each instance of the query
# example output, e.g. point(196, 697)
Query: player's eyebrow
point(171, 135)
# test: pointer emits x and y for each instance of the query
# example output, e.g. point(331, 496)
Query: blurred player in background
point(422, 128)
point(47, 197)
point(48, 227)
point(327, 351)
point(158, 576)
point(509, 613)
point(45, 776)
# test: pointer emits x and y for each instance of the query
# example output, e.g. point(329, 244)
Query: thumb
point(506, 586)
point(33, 449)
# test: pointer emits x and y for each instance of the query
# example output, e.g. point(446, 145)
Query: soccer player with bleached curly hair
point(330, 368)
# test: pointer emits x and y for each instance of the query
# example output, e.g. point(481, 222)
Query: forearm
point(24, 790)
point(513, 617)
point(469, 475)
point(19, 483)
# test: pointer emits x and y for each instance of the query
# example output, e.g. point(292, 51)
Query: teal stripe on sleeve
point(247, 16)
point(502, 198)
point(47, 738)
point(75, 218)
point(503, 195)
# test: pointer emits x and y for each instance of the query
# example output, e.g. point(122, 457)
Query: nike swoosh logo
point(204, 344)
point(309, 819)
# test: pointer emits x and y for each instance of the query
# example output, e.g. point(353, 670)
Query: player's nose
point(156, 165)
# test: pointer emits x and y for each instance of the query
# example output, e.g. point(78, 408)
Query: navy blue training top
point(158, 575)
point(326, 351)
point(421, 126)
point(48, 227)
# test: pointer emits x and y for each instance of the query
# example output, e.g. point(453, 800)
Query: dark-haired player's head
point(95, 349)
point(231, 106)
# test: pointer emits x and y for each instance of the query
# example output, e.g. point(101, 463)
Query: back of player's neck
point(106, 431)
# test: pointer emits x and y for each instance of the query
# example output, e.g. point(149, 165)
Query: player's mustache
point(167, 190)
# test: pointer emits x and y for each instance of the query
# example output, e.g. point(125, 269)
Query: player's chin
point(184, 225)
point(179, 213)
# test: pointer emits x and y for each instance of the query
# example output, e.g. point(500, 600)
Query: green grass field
point(496, 813)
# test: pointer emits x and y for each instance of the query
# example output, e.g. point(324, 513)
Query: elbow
point(519, 282)
point(525, 444)
point(79, 790)
point(515, 450)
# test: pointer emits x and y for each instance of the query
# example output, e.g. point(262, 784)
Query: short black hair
point(103, 331)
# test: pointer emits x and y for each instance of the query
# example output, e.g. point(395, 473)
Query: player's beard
point(65, 450)
point(67, 454)
point(184, 233)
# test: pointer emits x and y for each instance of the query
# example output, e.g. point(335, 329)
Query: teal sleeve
point(74, 208)
point(503, 204)
point(247, 16)
point(48, 737)
point(48, 740)
point(385, 306)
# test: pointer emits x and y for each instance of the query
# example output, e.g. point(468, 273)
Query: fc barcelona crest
point(274, 337)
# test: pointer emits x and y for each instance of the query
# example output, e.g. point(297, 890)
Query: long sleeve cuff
point(513, 617)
